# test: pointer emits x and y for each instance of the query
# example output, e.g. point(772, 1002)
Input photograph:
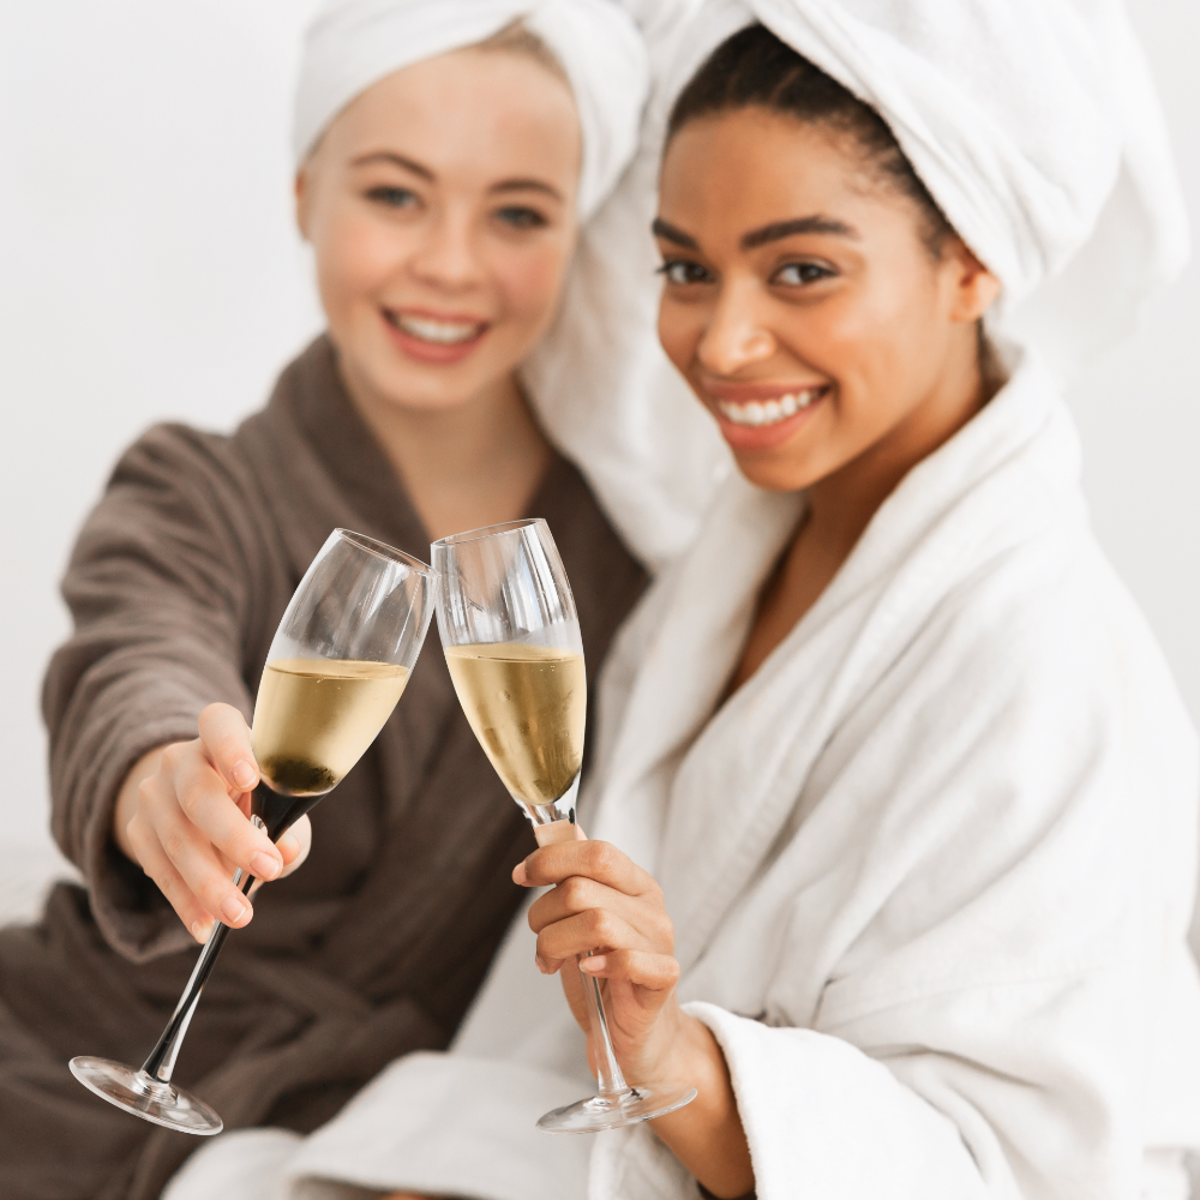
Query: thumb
point(295, 845)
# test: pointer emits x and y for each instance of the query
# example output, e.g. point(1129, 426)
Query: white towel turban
point(1035, 127)
point(602, 388)
point(353, 44)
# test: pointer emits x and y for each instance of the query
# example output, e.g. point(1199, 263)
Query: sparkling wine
point(314, 717)
point(527, 706)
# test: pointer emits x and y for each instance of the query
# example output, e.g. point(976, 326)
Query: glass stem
point(608, 1071)
point(161, 1063)
point(557, 824)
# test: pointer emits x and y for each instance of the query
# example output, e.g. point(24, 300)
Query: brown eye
point(798, 274)
point(680, 271)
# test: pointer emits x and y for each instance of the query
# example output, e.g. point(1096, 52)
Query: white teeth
point(767, 412)
point(443, 332)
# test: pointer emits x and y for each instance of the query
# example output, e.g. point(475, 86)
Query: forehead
point(489, 114)
point(736, 171)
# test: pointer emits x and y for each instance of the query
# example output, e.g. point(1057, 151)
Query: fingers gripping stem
point(161, 1062)
point(608, 1070)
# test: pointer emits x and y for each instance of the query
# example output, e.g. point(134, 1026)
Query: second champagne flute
point(511, 636)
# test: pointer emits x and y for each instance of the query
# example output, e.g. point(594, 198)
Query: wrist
point(706, 1135)
point(694, 1057)
point(126, 805)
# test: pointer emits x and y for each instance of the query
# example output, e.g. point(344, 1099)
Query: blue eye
point(800, 273)
point(680, 271)
point(519, 217)
point(393, 197)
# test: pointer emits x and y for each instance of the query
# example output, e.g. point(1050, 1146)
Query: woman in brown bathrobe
point(377, 945)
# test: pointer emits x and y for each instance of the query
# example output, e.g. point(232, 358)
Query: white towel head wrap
point(352, 44)
point(1034, 125)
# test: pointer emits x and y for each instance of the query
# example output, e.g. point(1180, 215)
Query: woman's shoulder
point(181, 489)
point(184, 458)
point(176, 476)
point(998, 566)
point(166, 449)
point(1050, 600)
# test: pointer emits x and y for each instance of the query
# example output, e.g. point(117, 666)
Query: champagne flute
point(338, 664)
point(511, 636)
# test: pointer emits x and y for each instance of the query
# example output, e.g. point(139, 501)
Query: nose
point(737, 333)
point(446, 256)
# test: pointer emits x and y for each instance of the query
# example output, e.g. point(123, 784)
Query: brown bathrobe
point(377, 945)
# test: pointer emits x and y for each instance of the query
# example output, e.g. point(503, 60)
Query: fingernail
point(542, 965)
point(289, 844)
point(519, 874)
point(264, 865)
point(201, 930)
point(233, 909)
point(244, 774)
point(594, 964)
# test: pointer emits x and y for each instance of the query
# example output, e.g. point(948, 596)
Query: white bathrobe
point(930, 869)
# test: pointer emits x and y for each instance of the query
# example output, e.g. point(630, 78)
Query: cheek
point(355, 258)
point(873, 341)
point(530, 279)
point(680, 327)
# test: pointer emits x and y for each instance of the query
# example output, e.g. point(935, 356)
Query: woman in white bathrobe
point(894, 849)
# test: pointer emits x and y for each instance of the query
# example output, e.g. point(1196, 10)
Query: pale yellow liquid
point(527, 706)
point(314, 718)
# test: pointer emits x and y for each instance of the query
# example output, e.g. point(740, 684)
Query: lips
point(756, 413)
point(434, 338)
point(757, 418)
point(431, 329)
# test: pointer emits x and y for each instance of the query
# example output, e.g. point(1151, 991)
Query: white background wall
point(149, 270)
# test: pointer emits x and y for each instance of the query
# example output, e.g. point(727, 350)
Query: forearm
point(707, 1135)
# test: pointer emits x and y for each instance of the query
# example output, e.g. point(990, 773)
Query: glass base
point(146, 1097)
point(635, 1104)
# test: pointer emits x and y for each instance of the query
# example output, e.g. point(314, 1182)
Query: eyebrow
point(668, 233)
point(776, 231)
point(526, 185)
point(397, 159)
point(408, 164)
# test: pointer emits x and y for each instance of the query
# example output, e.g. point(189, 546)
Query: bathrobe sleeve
point(993, 889)
point(160, 587)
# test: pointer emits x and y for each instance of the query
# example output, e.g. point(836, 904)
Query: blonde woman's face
point(441, 208)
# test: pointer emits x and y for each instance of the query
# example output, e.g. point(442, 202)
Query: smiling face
point(803, 303)
point(440, 205)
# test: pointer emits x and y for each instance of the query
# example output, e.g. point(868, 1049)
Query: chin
point(417, 399)
point(773, 476)
point(429, 389)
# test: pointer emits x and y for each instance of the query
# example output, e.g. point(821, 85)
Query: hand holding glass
point(338, 664)
point(511, 636)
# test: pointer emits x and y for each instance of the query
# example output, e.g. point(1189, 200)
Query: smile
point(757, 413)
point(439, 333)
